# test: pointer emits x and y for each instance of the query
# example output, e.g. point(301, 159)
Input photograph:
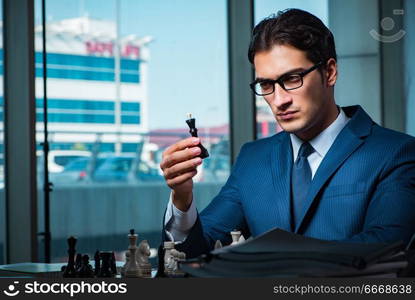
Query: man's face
point(305, 111)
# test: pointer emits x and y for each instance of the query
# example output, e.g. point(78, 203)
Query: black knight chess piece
point(191, 122)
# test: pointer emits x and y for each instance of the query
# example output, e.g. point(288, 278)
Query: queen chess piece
point(69, 271)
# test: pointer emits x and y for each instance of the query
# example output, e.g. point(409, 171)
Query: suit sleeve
point(222, 215)
point(391, 211)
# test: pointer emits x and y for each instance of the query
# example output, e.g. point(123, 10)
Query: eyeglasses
point(289, 81)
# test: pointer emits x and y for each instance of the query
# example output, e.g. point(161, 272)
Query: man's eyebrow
point(286, 73)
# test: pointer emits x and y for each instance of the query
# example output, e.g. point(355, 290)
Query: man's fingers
point(179, 156)
point(183, 144)
point(182, 168)
point(172, 183)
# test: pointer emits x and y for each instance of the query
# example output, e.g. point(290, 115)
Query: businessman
point(331, 174)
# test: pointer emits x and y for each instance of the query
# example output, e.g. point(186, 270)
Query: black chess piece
point(97, 263)
point(113, 264)
point(191, 122)
point(106, 264)
point(78, 262)
point(160, 266)
point(70, 271)
point(85, 270)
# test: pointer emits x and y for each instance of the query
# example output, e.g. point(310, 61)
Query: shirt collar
point(322, 142)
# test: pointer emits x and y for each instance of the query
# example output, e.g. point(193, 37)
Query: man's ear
point(330, 72)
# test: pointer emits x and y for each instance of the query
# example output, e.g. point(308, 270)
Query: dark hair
point(297, 28)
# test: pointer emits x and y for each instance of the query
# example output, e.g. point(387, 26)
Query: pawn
point(218, 244)
point(78, 262)
point(236, 234)
point(241, 239)
point(85, 271)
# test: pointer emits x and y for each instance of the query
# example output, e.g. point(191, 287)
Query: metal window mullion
point(242, 101)
point(392, 78)
point(20, 162)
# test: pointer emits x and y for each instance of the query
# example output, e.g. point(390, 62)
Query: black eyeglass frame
point(279, 80)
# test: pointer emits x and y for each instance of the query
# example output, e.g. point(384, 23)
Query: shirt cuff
point(178, 223)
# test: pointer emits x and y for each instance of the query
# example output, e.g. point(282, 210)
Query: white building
point(95, 91)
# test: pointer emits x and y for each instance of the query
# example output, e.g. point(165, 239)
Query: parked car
point(58, 159)
point(122, 169)
point(75, 172)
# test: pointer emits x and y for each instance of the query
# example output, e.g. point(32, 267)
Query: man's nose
point(281, 97)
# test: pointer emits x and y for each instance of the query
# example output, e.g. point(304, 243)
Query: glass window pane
point(409, 63)
point(113, 110)
point(266, 123)
point(357, 53)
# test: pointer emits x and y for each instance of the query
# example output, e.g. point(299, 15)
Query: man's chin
point(291, 126)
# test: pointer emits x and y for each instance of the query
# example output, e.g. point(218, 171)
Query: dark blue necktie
point(300, 181)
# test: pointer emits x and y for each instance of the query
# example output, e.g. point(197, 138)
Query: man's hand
point(179, 165)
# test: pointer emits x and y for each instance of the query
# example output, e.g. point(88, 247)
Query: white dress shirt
point(179, 223)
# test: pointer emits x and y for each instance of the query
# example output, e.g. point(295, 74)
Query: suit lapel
point(281, 165)
point(348, 140)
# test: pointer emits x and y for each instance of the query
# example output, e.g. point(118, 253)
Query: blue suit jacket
point(363, 190)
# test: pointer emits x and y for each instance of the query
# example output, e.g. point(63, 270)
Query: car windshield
point(81, 164)
point(77, 165)
point(119, 164)
point(65, 159)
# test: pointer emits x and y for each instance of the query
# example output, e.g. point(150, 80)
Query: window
point(266, 123)
point(357, 53)
point(121, 77)
point(409, 63)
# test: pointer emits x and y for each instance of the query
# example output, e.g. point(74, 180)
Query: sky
point(188, 67)
point(188, 64)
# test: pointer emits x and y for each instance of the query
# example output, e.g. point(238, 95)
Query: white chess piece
point(235, 237)
point(218, 244)
point(241, 239)
point(180, 256)
point(168, 247)
point(127, 258)
point(173, 267)
point(172, 264)
point(132, 269)
point(142, 258)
